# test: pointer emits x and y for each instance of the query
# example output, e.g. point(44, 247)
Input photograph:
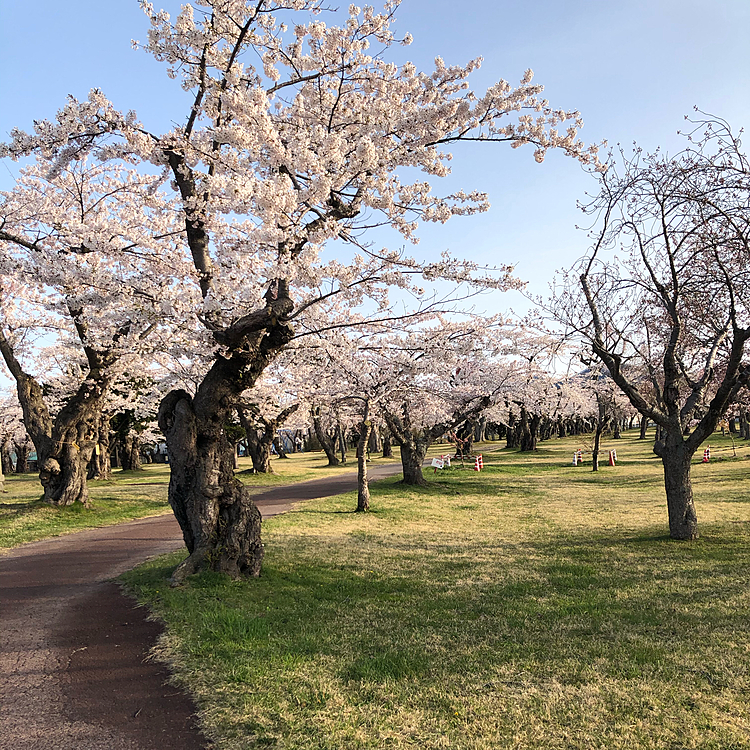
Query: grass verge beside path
point(534, 605)
point(127, 496)
point(130, 495)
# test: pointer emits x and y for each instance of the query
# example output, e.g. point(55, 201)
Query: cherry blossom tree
point(299, 134)
point(12, 433)
point(665, 290)
point(436, 378)
point(72, 240)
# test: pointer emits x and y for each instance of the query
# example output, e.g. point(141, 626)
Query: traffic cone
point(612, 458)
point(706, 455)
point(478, 463)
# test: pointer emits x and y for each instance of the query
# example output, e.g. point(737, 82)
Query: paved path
point(73, 649)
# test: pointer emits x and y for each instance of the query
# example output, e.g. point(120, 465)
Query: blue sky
point(633, 68)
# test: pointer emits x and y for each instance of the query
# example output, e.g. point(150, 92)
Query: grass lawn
point(129, 495)
point(300, 467)
point(536, 605)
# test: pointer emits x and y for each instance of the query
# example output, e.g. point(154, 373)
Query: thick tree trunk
point(22, 458)
point(387, 444)
point(220, 523)
point(258, 446)
point(100, 466)
point(412, 458)
point(644, 427)
point(63, 474)
point(511, 436)
point(279, 445)
point(6, 461)
point(131, 452)
point(529, 429)
point(65, 444)
point(683, 521)
point(261, 457)
point(373, 443)
point(324, 439)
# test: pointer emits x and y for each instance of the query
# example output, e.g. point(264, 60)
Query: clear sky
point(633, 68)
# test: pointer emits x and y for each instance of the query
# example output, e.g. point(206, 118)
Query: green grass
point(537, 605)
point(298, 468)
point(129, 495)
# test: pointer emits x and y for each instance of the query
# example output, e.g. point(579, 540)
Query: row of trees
point(216, 236)
point(236, 245)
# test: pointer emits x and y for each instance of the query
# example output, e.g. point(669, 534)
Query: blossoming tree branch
point(300, 136)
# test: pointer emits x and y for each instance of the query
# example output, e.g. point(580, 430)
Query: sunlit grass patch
point(532, 605)
point(299, 467)
point(129, 495)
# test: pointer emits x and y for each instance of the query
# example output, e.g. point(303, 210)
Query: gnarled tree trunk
point(100, 466)
point(65, 444)
point(325, 440)
point(412, 458)
point(6, 462)
point(130, 457)
point(22, 457)
point(219, 521)
point(387, 444)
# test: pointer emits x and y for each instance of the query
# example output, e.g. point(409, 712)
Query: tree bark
point(387, 444)
point(363, 487)
point(324, 438)
point(373, 444)
point(683, 522)
point(511, 435)
point(6, 462)
point(342, 442)
point(131, 452)
point(528, 435)
point(412, 458)
point(65, 444)
point(100, 466)
point(643, 428)
point(219, 521)
point(258, 446)
point(22, 458)
point(279, 445)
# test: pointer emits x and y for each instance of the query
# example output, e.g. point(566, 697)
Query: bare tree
point(665, 289)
